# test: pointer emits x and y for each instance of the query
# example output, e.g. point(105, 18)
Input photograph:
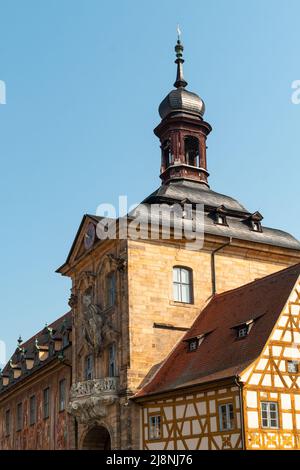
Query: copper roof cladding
point(221, 355)
point(183, 101)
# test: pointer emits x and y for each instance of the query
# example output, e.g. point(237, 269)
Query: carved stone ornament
point(90, 399)
point(73, 301)
point(117, 262)
point(89, 410)
point(98, 330)
point(92, 323)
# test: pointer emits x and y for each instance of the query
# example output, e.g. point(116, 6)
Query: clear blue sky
point(84, 80)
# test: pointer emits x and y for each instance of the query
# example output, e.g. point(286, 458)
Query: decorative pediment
point(83, 242)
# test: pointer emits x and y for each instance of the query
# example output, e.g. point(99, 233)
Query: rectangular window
point(226, 417)
point(269, 414)
point(111, 290)
point(293, 367)
point(46, 402)
point(32, 410)
point(112, 369)
point(62, 394)
point(19, 416)
point(89, 367)
point(155, 427)
point(7, 422)
point(182, 285)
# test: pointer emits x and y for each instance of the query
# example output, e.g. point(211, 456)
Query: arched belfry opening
point(97, 438)
point(191, 150)
point(166, 154)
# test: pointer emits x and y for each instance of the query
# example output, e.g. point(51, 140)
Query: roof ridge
point(29, 340)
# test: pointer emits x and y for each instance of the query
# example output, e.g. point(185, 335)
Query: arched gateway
point(97, 438)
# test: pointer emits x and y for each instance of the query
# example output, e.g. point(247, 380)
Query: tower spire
point(180, 81)
point(182, 131)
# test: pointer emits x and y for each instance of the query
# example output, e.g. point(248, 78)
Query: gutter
point(213, 265)
point(240, 387)
point(65, 362)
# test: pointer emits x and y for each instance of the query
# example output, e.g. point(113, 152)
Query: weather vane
point(178, 32)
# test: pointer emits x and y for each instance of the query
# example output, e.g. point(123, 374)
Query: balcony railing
point(96, 387)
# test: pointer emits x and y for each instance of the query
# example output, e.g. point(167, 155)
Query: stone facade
point(125, 320)
point(145, 322)
point(51, 431)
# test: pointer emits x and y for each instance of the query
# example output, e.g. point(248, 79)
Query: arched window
point(89, 367)
point(112, 364)
point(110, 289)
point(191, 150)
point(182, 284)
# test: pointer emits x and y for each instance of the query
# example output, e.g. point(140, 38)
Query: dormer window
point(194, 343)
point(243, 329)
point(256, 226)
point(221, 219)
point(254, 221)
point(220, 216)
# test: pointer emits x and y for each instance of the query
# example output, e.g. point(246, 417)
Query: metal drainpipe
point(213, 267)
point(239, 385)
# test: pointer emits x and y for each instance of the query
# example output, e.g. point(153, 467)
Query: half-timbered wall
point(268, 379)
point(192, 421)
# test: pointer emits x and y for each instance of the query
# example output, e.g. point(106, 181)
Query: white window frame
point(228, 407)
point(180, 284)
point(292, 363)
point(243, 331)
point(155, 427)
point(268, 411)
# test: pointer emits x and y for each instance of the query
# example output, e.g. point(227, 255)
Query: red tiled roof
point(221, 355)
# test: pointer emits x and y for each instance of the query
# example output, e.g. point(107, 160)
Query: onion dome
point(181, 100)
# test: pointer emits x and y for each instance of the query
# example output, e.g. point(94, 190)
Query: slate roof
point(177, 191)
point(221, 354)
point(29, 347)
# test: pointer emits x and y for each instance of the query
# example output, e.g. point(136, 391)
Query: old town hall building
point(165, 346)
